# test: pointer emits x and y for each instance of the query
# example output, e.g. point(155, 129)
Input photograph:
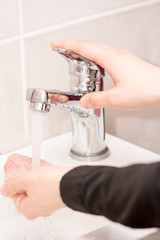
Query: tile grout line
point(9, 39)
point(71, 22)
point(22, 69)
point(89, 18)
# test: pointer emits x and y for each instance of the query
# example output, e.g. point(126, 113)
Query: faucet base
point(90, 158)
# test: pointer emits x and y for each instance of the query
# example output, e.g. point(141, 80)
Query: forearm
point(129, 195)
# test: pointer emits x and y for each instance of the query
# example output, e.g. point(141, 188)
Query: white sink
point(66, 224)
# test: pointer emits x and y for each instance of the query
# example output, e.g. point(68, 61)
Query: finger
point(58, 98)
point(13, 187)
point(25, 206)
point(90, 50)
point(109, 98)
point(4, 191)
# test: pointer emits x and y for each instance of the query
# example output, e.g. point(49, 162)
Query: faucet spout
point(42, 100)
point(88, 130)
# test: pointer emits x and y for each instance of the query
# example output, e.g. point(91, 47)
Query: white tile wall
point(140, 127)
point(41, 13)
point(8, 18)
point(33, 64)
point(11, 113)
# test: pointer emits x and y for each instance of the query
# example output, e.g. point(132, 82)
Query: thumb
point(108, 98)
point(12, 187)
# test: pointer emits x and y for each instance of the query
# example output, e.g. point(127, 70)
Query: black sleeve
point(128, 195)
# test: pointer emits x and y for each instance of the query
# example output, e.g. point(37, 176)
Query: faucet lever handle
point(75, 56)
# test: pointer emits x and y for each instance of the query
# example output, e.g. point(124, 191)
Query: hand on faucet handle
point(58, 98)
point(136, 82)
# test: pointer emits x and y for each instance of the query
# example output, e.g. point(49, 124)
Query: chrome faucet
point(88, 131)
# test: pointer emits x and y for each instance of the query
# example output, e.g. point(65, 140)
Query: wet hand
point(37, 192)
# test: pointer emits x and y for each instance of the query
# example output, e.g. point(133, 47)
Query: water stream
point(37, 135)
point(44, 226)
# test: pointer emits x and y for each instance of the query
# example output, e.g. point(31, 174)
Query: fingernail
point(4, 191)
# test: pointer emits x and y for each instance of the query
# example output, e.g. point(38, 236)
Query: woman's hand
point(137, 82)
point(37, 192)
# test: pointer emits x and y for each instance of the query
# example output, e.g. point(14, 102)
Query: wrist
point(63, 171)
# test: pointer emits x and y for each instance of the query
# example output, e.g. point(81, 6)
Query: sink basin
point(118, 232)
point(66, 224)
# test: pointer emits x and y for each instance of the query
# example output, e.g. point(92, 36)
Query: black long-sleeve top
point(128, 195)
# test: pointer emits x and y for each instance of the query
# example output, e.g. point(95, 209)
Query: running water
point(37, 134)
